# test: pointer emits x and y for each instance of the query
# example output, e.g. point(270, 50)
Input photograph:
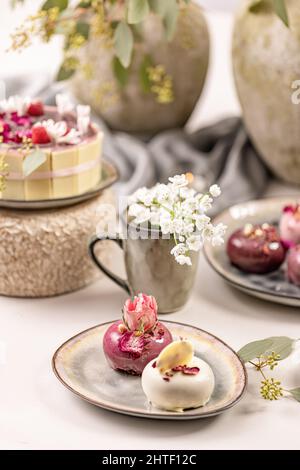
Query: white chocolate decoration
point(178, 353)
point(182, 386)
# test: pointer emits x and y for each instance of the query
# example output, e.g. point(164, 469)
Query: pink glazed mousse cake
point(129, 344)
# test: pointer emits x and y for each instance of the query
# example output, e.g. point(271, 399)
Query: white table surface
point(37, 412)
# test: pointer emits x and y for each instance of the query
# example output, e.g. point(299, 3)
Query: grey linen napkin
point(221, 153)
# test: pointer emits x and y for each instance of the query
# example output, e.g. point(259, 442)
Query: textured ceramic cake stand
point(44, 253)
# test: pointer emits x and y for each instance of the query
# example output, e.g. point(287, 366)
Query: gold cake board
point(44, 252)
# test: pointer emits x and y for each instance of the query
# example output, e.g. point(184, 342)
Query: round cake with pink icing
point(47, 152)
point(131, 343)
point(290, 225)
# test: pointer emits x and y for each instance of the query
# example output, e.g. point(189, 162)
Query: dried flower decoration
point(115, 23)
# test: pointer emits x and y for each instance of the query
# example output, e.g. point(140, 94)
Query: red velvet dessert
point(293, 265)
point(290, 225)
point(256, 249)
point(129, 344)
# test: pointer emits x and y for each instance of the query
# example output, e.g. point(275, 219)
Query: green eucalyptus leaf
point(281, 345)
point(137, 11)
point(83, 29)
point(64, 73)
point(121, 73)
point(61, 4)
point(144, 75)
point(255, 5)
point(158, 6)
point(170, 17)
point(254, 349)
point(123, 41)
point(280, 8)
point(84, 4)
point(33, 161)
point(295, 392)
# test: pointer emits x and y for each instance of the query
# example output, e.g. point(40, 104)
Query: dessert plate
point(273, 287)
point(81, 366)
point(109, 176)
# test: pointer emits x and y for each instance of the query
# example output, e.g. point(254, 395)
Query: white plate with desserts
point(261, 255)
point(164, 370)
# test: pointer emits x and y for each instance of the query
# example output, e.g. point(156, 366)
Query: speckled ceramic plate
point(81, 366)
point(109, 176)
point(272, 287)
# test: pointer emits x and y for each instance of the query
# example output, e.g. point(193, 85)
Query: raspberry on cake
point(69, 147)
point(129, 344)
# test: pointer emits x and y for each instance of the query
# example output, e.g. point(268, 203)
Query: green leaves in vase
point(123, 42)
point(279, 7)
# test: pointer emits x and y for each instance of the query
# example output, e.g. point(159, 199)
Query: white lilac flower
point(205, 203)
point(140, 213)
point(179, 180)
point(201, 221)
point(178, 211)
point(181, 259)
point(194, 242)
point(215, 190)
point(162, 193)
point(218, 234)
point(187, 193)
point(166, 223)
point(145, 196)
point(179, 249)
point(208, 232)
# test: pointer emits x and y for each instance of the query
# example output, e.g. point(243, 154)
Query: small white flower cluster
point(177, 209)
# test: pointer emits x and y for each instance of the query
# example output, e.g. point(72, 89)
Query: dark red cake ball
point(256, 249)
point(293, 265)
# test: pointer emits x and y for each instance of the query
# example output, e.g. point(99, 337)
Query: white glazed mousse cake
point(177, 380)
point(47, 152)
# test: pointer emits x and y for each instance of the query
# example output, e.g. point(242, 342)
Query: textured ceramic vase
point(266, 60)
point(44, 252)
point(151, 269)
point(130, 109)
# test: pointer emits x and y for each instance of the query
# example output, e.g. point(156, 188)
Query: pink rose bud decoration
point(129, 344)
point(140, 313)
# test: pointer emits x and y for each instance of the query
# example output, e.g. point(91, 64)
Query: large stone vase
point(266, 61)
point(130, 108)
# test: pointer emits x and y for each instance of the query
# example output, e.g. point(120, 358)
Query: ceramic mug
point(151, 269)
